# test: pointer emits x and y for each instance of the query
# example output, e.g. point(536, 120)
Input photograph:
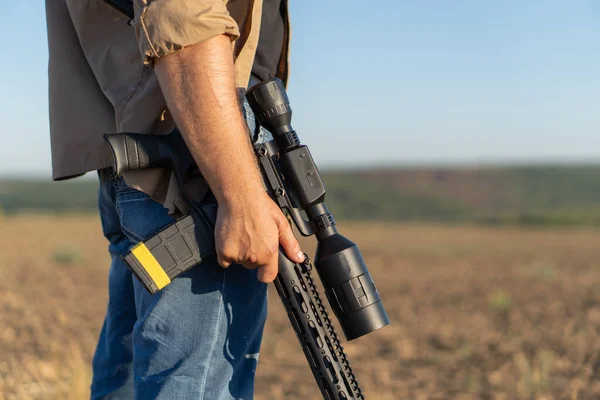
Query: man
point(182, 62)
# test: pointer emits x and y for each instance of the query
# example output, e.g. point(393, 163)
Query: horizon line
point(375, 166)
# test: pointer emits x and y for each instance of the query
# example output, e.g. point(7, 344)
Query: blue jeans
point(199, 338)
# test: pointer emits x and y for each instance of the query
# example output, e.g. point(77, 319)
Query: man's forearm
point(198, 85)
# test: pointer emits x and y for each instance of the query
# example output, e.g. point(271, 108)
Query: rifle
point(293, 181)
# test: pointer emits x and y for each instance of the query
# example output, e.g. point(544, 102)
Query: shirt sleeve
point(165, 26)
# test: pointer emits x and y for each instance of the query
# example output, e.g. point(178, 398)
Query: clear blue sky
point(388, 82)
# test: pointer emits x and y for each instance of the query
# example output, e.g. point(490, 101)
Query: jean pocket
point(139, 215)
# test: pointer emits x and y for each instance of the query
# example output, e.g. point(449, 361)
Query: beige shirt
point(101, 78)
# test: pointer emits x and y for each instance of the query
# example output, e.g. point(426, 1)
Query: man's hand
point(198, 85)
point(249, 231)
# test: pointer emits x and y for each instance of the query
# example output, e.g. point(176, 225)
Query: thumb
point(288, 241)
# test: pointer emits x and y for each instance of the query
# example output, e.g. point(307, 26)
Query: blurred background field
point(490, 272)
point(489, 275)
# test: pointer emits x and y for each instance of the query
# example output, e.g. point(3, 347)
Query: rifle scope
point(346, 279)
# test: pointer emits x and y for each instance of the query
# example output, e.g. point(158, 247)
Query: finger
point(223, 262)
point(268, 273)
point(250, 265)
point(251, 261)
point(288, 241)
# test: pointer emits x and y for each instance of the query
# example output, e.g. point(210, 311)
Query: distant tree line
point(529, 195)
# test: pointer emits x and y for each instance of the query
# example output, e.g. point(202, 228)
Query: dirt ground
point(476, 313)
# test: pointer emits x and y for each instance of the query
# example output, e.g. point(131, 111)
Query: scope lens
point(349, 287)
point(270, 105)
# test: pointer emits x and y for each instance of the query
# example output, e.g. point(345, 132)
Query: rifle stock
point(136, 151)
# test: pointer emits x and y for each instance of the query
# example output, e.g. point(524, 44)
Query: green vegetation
point(533, 195)
point(529, 195)
point(44, 195)
point(67, 255)
point(500, 303)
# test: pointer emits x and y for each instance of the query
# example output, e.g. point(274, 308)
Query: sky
point(385, 83)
